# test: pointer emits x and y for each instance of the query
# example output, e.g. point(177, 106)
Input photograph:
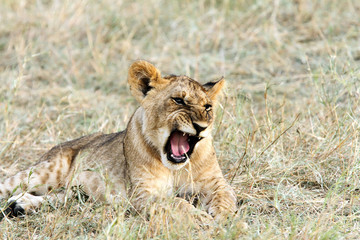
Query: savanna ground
point(287, 132)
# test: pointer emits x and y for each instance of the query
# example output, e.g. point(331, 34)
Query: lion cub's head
point(177, 112)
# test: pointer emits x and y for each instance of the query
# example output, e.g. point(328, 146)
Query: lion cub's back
point(106, 151)
point(101, 161)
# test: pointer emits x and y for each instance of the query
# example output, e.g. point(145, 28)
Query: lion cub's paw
point(12, 209)
point(21, 204)
point(202, 218)
point(243, 226)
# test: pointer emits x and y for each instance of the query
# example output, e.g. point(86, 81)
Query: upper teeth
point(190, 134)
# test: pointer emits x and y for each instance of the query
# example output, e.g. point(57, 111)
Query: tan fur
point(134, 163)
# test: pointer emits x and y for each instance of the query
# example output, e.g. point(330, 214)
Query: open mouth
point(180, 146)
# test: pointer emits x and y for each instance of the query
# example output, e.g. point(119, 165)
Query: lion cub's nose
point(199, 128)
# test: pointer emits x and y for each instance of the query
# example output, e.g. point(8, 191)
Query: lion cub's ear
point(143, 76)
point(214, 88)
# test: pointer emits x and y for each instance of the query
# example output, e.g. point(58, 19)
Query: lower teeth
point(177, 157)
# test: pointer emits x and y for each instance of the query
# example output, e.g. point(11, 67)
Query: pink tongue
point(179, 143)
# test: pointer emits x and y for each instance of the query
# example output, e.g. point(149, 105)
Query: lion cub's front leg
point(152, 194)
point(221, 200)
point(217, 195)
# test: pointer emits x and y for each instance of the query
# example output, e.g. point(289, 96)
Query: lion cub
point(165, 150)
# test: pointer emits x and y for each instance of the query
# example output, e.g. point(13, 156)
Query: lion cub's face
point(178, 112)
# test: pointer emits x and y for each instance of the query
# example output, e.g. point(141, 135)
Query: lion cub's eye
point(179, 101)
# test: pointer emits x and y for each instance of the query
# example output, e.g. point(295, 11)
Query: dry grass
point(287, 134)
